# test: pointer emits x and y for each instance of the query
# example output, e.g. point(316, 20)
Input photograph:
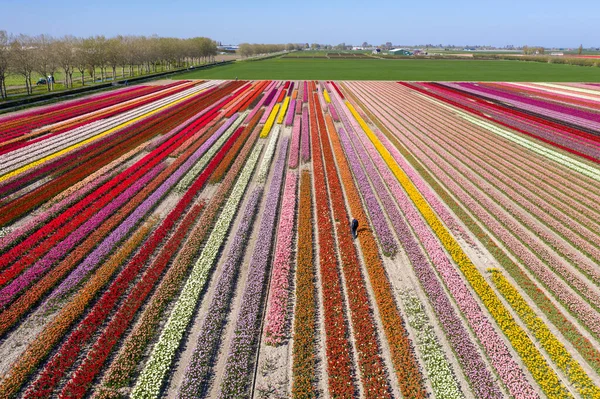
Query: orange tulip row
point(122, 368)
point(218, 174)
point(56, 329)
point(303, 366)
point(337, 346)
point(370, 363)
point(403, 356)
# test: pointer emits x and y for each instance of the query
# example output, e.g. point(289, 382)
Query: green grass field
point(410, 69)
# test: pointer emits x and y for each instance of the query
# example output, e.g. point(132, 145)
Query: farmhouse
point(400, 51)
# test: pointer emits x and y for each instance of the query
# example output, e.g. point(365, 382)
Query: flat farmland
point(289, 68)
point(192, 239)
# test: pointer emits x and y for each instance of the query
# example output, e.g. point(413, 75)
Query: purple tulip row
point(295, 146)
point(239, 367)
point(583, 118)
point(378, 221)
point(578, 307)
point(92, 260)
point(44, 217)
point(290, 89)
point(502, 360)
point(289, 116)
point(279, 297)
point(305, 92)
point(450, 144)
point(270, 106)
point(198, 373)
point(305, 146)
point(269, 93)
point(333, 112)
point(60, 250)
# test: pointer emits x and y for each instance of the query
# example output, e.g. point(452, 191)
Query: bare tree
point(43, 54)
point(4, 61)
point(114, 54)
point(580, 50)
point(23, 57)
point(45, 59)
point(65, 51)
point(80, 59)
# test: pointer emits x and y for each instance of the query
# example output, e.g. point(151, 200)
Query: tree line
point(250, 50)
point(25, 55)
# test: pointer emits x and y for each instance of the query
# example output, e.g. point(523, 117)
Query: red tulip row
point(335, 86)
point(106, 151)
point(82, 119)
point(52, 277)
point(372, 369)
point(337, 345)
point(281, 96)
point(217, 176)
point(123, 366)
point(410, 377)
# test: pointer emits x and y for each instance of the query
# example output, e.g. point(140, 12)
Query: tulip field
point(191, 239)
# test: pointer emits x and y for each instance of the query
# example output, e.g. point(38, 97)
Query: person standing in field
point(354, 228)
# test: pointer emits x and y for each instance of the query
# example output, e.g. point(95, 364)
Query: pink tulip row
point(572, 183)
point(569, 228)
point(573, 302)
point(510, 372)
point(276, 327)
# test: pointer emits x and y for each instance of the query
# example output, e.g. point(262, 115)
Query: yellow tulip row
point(326, 95)
point(532, 358)
point(284, 108)
point(269, 124)
point(557, 351)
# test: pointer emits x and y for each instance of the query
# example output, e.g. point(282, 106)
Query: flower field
point(192, 239)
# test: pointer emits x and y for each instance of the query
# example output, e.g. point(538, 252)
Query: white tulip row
point(564, 160)
point(440, 373)
point(191, 175)
point(26, 155)
point(152, 376)
point(263, 170)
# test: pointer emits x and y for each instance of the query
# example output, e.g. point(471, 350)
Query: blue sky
point(532, 22)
